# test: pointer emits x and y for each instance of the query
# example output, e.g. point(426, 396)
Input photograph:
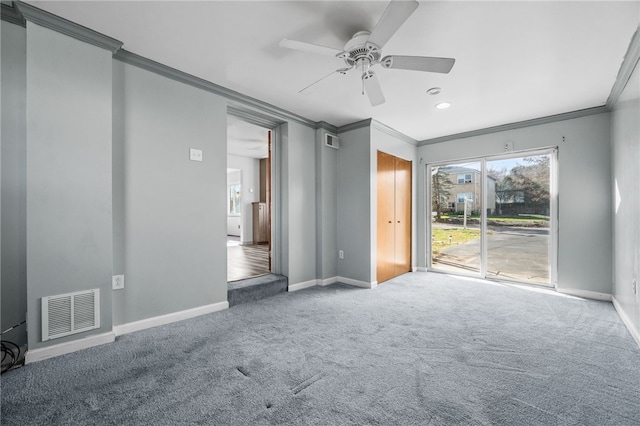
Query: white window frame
point(462, 178)
point(238, 207)
point(467, 196)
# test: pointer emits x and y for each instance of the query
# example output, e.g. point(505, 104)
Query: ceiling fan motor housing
point(359, 51)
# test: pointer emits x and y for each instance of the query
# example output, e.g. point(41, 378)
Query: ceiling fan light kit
point(364, 51)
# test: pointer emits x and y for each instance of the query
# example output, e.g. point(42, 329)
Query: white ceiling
point(245, 139)
point(514, 60)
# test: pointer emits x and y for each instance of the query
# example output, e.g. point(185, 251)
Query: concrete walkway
point(512, 253)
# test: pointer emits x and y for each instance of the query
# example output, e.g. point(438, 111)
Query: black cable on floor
point(10, 351)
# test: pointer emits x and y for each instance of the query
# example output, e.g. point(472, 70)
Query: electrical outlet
point(508, 146)
point(195, 154)
point(117, 282)
point(634, 286)
point(341, 254)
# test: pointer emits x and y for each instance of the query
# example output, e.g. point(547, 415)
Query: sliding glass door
point(518, 227)
point(456, 200)
point(494, 217)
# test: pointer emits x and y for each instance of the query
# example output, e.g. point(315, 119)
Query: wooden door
point(393, 246)
point(385, 264)
point(402, 204)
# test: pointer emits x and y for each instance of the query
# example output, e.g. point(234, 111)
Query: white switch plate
point(195, 154)
point(341, 254)
point(117, 282)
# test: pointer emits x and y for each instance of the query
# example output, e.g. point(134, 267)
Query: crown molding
point(253, 117)
point(371, 123)
point(61, 25)
point(393, 132)
point(241, 104)
point(357, 125)
point(326, 126)
point(518, 125)
point(629, 63)
point(12, 14)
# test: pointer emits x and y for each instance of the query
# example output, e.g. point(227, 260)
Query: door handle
point(390, 222)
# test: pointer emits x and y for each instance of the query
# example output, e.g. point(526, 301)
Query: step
point(257, 288)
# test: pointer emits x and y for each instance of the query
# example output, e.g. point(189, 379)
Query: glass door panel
point(518, 218)
point(456, 206)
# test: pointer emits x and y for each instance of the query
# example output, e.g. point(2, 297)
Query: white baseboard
point(422, 269)
point(132, 327)
point(327, 281)
point(635, 333)
point(302, 285)
point(586, 294)
point(39, 354)
point(357, 283)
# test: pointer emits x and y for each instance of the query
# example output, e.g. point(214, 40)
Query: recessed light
point(443, 105)
point(434, 91)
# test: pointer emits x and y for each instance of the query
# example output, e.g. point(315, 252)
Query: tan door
point(403, 217)
point(394, 217)
point(385, 264)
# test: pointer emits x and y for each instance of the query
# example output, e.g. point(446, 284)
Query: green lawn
point(458, 236)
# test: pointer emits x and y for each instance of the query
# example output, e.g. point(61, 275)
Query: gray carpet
point(256, 288)
point(420, 349)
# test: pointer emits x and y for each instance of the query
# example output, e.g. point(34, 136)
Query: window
point(461, 197)
point(234, 199)
point(464, 178)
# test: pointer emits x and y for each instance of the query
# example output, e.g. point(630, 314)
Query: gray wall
point(13, 175)
point(625, 135)
point(173, 210)
point(298, 183)
point(327, 197)
point(353, 204)
point(68, 175)
point(584, 222)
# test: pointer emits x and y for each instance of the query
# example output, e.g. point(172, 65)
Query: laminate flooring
point(247, 261)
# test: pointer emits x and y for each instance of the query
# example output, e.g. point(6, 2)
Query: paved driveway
point(517, 253)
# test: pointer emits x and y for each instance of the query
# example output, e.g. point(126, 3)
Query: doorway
point(495, 217)
point(248, 199)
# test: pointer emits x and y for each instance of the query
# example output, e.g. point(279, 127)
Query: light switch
point(195, 154)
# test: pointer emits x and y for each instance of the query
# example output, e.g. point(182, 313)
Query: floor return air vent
point(70, 313)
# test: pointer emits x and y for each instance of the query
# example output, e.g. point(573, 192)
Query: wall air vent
point(331, 140)
point(70, 313)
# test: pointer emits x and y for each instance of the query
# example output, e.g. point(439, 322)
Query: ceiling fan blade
point(372, 87)
point(393, 17)
point(308, 47)
point(419, 63)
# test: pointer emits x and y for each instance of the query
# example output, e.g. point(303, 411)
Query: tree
point(440, 190)
point(526, 184)
point(533, 179)
point(502, 188)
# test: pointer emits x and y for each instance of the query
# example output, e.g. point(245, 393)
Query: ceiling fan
point(364, 51)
